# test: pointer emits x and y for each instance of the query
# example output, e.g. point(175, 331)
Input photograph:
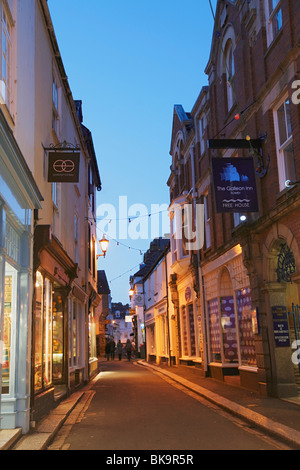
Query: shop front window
point(75, 335)
point(184, 331)
point(43, 330)
point(192, 330)
point(214, 330)
point(247, 319)
point(229, 329)
point(10, 306)
point(47, 362)
point(58, 337)
point(38, 331)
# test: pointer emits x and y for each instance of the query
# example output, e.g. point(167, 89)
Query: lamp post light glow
point(103, 245)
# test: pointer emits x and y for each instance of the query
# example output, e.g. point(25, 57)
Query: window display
point(184, 331)
point(10, 296)
point(214, 330)
point(47, 360)
point(38, 329)
point(58, 337)
point(43, 325)
point(74, 331)
point(229, 329)
point(246, 327)
point(192, 330)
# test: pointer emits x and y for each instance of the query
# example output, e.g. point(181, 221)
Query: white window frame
point(76, 236)
point(202, 128)
point(283, 174)
point(6, 56)
point(271, 11)
point(207, 221)
point(56, 99)
point(75, 333)
point(230, 73)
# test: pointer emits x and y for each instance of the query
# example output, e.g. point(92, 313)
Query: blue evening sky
point(130, 62)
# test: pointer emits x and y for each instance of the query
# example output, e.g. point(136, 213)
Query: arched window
point(229, 72)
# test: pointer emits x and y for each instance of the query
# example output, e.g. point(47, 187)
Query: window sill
point(232, 112)
point(287, 192)
point(207, 250)
point(8, 116)
point(273, 43)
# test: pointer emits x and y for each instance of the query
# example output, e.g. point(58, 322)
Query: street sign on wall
point(63, 167)
point(234, 184)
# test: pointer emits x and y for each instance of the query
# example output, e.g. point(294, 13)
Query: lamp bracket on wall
point(254, 146)
point(62, 146)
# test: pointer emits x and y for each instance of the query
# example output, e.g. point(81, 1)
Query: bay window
point(284, 144)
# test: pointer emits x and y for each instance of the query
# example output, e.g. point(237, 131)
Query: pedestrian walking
point(128, 349)
point(107, 350)
point(112, 349)
point(120, 350)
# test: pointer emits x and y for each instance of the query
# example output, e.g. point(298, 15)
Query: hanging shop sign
point(63, 167)
point(281, 327)
point(234, 184)
point(138, 300)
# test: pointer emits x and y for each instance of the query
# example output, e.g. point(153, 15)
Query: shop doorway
point(58, 338)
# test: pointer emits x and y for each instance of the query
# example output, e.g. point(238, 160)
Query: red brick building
point(247, 282)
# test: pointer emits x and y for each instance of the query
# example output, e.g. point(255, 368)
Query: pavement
point(279, 418)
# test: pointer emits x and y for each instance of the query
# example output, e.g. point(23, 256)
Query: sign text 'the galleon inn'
point(234, 184)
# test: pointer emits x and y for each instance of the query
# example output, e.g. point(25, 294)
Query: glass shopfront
point(9, 328)
point(224, 326)
point(58, 337)
point(43, 325)
point(247, 327)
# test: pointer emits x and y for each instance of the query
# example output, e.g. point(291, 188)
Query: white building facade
point(41, 114)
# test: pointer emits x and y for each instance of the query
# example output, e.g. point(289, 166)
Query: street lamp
point(103, 245)
point(131, 292)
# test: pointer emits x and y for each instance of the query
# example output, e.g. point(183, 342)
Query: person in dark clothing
point(128, 348)
point(120, 349)
point(112, 349)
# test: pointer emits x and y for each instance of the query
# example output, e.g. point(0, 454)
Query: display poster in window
point(229, 329)
point(234, 185)
point(63, 167)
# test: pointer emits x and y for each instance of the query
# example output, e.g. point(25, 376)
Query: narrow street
point(130, 408)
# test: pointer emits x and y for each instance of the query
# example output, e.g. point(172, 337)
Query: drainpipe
point(168, 319)
point(201, 280)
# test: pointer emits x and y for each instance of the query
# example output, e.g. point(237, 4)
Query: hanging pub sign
point(234, 184)
point(63, 167)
